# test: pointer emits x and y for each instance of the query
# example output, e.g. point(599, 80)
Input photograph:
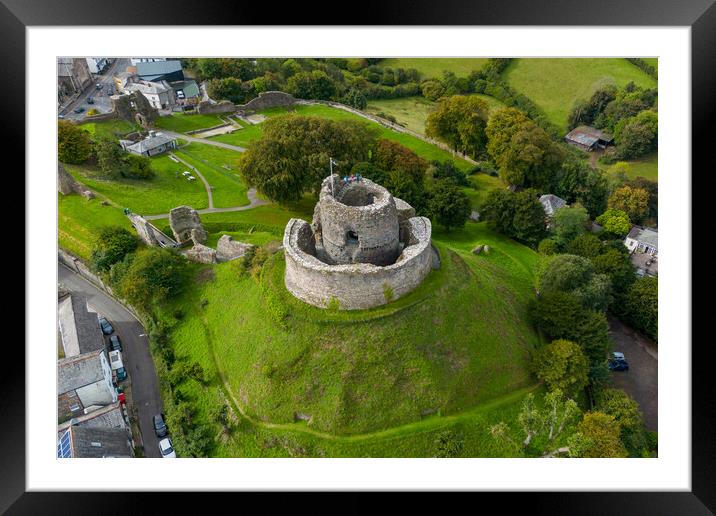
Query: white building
point(136, 60)
point(97, 64)
point(643, 240)
point(84, 382)
point(160, 96)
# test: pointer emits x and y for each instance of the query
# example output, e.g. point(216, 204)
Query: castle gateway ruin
point(365, 248)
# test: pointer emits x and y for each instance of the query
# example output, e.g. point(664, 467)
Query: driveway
point(135, 355)
point(641, 381)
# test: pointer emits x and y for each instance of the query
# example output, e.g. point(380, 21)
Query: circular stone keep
point(360, 252)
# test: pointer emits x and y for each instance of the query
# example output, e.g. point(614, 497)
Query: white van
point(115, 362)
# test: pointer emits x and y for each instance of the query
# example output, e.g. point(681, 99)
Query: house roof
point(158, 68)
point(588, 136)
point(147, 88)
point(189, 88)
point(648, 236)
point(78, 371)
point(552, 203)
point(150, 142)
point(79, 328)
point(109, 416)
point(98, 442)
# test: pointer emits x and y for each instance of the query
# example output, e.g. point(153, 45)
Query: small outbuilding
point(154, 144)
point(643, 240)
point(588, 138)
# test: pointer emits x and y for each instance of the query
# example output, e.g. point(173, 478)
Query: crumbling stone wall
point(66, 184)
point(358, 285)
point(206, 107)
point(266, 100)
point(184, 219)
point(356, 222)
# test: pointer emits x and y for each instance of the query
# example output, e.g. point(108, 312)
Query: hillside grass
point(79, 221)
point(113, 128)
point(412, 112)
point(166, 190)
point(555, 84)
point(430, 67)
point(226, 185)
point(183, 122)
point(483, 184)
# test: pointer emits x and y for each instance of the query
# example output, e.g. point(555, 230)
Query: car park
point(115, 343)
point(107, 328)
point(166, 449)
point(160, 427)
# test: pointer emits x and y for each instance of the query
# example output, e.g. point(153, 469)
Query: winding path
point(205, 141)
point(254, 201)
point(207, 186)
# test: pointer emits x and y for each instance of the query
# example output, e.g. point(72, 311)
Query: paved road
point(135, 355)
point(204, 141)
point(641, 381)
point(102, 102)
point(253, 202)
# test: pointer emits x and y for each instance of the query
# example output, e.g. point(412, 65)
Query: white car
point(165, 447)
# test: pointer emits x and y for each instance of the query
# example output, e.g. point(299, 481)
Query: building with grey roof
point(79, 442)
point(84, 382)
point(78, 327)
point(551, 203)
point(159, 94)
point(155, 143)
point(109, 416)
point(186, 92)
point(643, 240)
point(588, 138)
point(160, 71)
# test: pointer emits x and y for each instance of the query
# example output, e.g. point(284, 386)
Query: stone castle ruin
point(365, 248)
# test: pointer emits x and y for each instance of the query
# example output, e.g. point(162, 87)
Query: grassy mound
point(459, 340)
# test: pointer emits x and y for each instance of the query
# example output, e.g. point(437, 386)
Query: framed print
point(361, 257)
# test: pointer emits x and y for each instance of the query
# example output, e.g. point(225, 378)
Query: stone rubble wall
point(266, 100)
point(354, 286)
point(182, 220)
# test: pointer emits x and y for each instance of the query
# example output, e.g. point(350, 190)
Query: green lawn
point(79, 221)
point(555, 84)
point(483, 184)
point(653, 61)
point(412, 112)
point(227, 188)
point(182, 122)
point(429, 67)
point(113, 128)
point(160, 194)
point(647, 167)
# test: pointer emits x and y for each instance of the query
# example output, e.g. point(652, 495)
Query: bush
point(112, 244)
point(548, 246)
point(74, 144)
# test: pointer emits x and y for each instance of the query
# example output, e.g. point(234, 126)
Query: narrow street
point(102, 102)
point(135, 354)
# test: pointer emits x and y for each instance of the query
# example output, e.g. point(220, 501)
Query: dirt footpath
point(641, 381)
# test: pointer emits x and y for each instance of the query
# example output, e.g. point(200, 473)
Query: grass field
point(182, 122)
point(412, 112)
point(434, 67)
point(227, 188)
point(647, 167)
point(483, 184)
point(79, 221)
point(556, 84)
point(113, 128)
point(160, 194)
point(357, 372)
point(421, 148)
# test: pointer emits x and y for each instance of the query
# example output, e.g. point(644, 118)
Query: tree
point(154, 275)
point(597, 436)
point(460, 122)
point(652, 188)
point(369, 171)
point(448, 205)
point(432, 89)
point(562, 365)
point(570, 222)
point(355, 98)
point(138, 167)
point(449, 444)
point(291, 157)
point(575, 181)
point(110, 158)
point(576, 275)
point(112, 244)
point(230, 88)
point(642, 308)
point(615, 222)
point(548, 246)
point(632, 201)
point(617, 265)
point(446, 170)
point(518, 215)
point(523, 151)
point(637, 135)
point(74, 144)
point(585, 112)
point(617, 403)
point(311, 85)
point(498, 210)
point(586, 245)
point(392, 156)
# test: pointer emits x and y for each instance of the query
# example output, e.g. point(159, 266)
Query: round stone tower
point(357, 222)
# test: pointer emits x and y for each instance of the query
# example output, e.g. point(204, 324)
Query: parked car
point(115, 362)
point(90, 100)
point(79, 110)
point(106, 327)
point(166, 449)
point(98, 86)
point(115, 343)
point(160, 427)
point(618, 362)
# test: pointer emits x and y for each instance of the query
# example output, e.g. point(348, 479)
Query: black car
point(90, 100)
point(106, 327)
point(114, 343)
point(160, 427)
point(618, 365)
point(79, 110)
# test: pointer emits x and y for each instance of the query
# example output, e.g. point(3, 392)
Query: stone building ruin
point(365, 248)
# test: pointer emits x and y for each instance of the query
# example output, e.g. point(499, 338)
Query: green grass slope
point(555, 84)
point(462, 338)
point(430, 67)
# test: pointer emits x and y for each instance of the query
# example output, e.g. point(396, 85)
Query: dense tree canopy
point(643, 306)
point(615, 222)
point(448, 205)
point(111, 245)
point(576, 275)
point(562, 365)
point(460, 122)
point(576, 181)
point(291, 157)
point(632, 201)
point(598, 435)
point(311, 85)
point(74, 144)
point(519, 215)
point(570, 222)
point(151, 276)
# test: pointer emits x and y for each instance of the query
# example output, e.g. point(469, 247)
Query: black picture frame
point(700, 15)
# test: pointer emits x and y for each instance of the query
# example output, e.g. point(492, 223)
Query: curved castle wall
point(355, 285)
